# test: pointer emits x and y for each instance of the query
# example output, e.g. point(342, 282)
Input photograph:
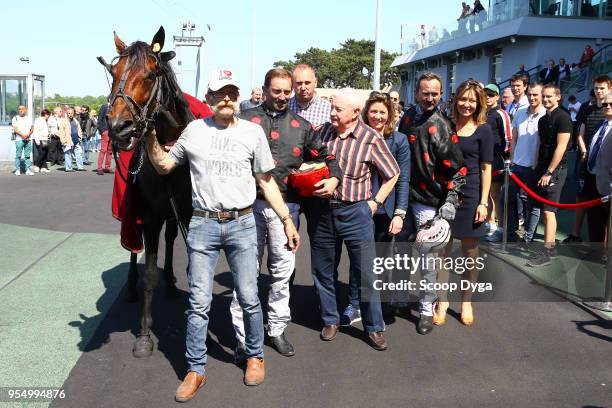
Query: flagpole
point(376, 80)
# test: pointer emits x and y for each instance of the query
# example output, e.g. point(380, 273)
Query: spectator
point(586, 57)
point(106, 147)
point(40, 135)
point(433, 35)
point(589, 121)
point(522, 71)
point(500, 124)
point(423, 37)
point(555, 130)
point(88, 127)
point(70, 135)
point(347, 218)
point(506, 98)
point(599, 164)
point(284, 130)
point(478, 16)
point(518, 85)
point(564, 71)
point(254, 101)
point(96, 138)
point(525, 140)
point(549, 74)
point(394, 95)
point(22, 128)
point(305, 101)
point(465, 12)
point(55, 154)
point(573, 108)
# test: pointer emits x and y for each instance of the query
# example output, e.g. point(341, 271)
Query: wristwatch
point(485, 205)
point(548, 173)
point(378, 203)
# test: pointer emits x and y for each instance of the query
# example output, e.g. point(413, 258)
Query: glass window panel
point(14, 94)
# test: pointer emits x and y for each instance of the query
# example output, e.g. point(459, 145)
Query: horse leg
point(132, 295)
point(143, 346)
point(170, 235)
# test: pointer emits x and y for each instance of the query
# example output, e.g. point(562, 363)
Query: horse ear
point(167, 56)
point(119, 45)
point(158, 40)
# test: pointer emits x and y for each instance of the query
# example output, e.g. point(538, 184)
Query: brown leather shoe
point(377, 341)
point(189, 387)
point(255, 371)
point(329, 332)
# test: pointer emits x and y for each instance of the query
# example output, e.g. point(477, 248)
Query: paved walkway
point(63, 320)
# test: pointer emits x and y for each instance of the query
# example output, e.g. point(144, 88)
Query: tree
point(94, 102)
point(351, 65)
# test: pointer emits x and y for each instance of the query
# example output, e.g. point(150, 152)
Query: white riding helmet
point(433, 235)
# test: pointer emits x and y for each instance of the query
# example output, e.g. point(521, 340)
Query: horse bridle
point(142, 115)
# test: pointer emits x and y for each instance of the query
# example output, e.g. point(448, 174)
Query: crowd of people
point(61, 137)
point(390, 172)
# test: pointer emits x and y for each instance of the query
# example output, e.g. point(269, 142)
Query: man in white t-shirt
point(22, 127)
point(227, 157)
point(524, 159)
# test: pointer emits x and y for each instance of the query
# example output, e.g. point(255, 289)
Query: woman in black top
point(476, 142)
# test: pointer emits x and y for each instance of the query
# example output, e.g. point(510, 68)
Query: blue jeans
point(85, 146)
point(328, 228)
point(526, 175)
point(25, 147)
point(206, 238)
point(76, 149)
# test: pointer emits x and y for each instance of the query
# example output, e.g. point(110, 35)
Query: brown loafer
point(329, 332)
point(255, 371)
point(377, 341)
point(189, 387)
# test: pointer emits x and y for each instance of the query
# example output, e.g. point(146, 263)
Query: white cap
point(220, 78)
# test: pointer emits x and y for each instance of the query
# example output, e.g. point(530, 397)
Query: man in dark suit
point(599, 164)
point(549, 74)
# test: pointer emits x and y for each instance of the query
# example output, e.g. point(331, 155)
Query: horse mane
point(172, 98)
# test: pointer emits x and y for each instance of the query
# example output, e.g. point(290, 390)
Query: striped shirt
point(317, 112)
point(358, 154)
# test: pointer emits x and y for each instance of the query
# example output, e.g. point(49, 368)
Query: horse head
point(140, 76)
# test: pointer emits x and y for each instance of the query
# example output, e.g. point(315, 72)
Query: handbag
point(305, 178)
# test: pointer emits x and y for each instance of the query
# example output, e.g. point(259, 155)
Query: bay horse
point(146, 97)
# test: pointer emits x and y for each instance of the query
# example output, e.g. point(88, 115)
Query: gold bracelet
point(285, 218)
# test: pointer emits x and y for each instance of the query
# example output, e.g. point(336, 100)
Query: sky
point(63, 41)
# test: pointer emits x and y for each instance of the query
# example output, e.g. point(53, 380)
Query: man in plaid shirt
point(306, 102)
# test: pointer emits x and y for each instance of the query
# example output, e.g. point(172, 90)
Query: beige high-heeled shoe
point(439, 317)
point(467, 318)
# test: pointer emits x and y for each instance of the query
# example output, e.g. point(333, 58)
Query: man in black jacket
point(292, 142)
point(438, 170)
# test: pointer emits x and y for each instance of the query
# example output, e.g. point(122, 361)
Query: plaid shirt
point(357, 154)
point(317, 112)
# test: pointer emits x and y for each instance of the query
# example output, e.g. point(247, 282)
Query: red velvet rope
point(584, 204)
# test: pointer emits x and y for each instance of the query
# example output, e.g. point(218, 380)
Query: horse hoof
point(131, 297)
point(143, 347)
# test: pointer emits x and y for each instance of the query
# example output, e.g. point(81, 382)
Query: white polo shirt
point(528, 138)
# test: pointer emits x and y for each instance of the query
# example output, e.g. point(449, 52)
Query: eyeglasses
point(232, 93)
point(490, 95)
point(606, 104)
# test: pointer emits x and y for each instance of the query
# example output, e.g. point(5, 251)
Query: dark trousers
point(597, 216)
point(55, 153)
point(42, 150)
point(354, 226)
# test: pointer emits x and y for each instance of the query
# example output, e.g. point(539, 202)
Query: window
point(452, 76)
point(12, 94)
point(39, 95)
point(496, 65)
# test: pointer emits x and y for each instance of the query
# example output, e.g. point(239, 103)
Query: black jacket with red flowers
point(292, 142)
point(437, 165)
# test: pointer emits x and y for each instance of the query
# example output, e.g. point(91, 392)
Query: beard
point(223, 105)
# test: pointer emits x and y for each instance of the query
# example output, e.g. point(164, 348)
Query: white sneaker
point(17, 173)
point(490, 229)
point(29, 173)
point(43, 170)
point(35, 169)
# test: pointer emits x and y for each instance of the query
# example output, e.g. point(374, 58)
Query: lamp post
point(376, 80)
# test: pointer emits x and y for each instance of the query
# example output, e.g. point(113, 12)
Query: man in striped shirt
point(305, 101)
point(347, 217)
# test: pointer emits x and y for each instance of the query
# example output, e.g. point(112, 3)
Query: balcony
point(502, 11)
